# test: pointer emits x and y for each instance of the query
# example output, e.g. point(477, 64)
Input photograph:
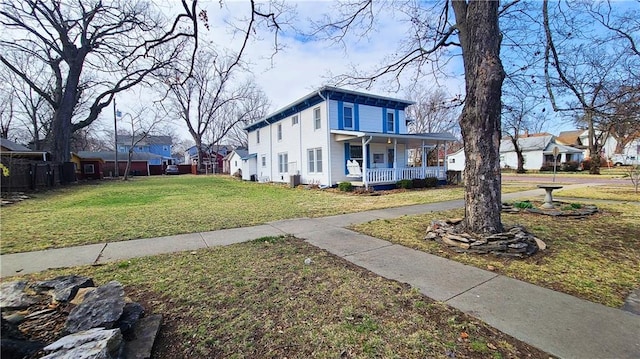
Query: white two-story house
point(334, 135)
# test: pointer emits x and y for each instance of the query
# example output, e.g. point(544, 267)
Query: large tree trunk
point(61, 126)
point(479, 34)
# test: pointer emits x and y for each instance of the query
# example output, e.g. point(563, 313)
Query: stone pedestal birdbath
point(548, 198)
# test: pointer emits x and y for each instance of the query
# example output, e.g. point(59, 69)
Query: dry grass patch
point(259, 300)
point(597, 258)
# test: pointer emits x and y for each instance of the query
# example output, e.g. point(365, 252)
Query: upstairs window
point(279, 131)
point(258, 136)
point(391, 123)
point(294, 120)
point(316, 118)
point(348, 117)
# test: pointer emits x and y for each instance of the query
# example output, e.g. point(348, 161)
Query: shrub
point(405, 183)
point(345, 186)
point(571, 166)
point(431, 182)
point(548, 166)
point(523, 204)
point(419, 183)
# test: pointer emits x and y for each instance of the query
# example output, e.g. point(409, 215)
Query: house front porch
point(374, 159)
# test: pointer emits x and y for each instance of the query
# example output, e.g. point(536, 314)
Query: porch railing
point(389, 175)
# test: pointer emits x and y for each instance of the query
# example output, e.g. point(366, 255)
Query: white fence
point(390, 175)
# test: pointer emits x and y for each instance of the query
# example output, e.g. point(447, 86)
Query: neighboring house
point(580, 139)
point(212, 156)
point(11, 149)
point(455, 161)
point(140, 161)
point(537, 151)
point(158, 145)
point(334, 135)
point(88, 167)
point(573, 138)
point(233, 161)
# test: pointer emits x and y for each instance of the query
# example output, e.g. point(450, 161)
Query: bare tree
point(575, 69)
point(624, 116)
point(251, 109)
point(31, 112)
point(521, 115)
point(141, 125)
point(214, 100)
point(434, 110)
point(116, 44)
point(7, 99)
point(467, 28)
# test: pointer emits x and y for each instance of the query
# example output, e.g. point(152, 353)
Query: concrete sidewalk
point(560, 324)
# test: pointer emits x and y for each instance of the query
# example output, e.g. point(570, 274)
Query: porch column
point(364, 163)
point(395, 159)
point(424, 161)
point(437, 159)
point(444, 161)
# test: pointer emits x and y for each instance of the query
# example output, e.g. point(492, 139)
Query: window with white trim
point(283, 162)
point(89, 169)
point(314, 158)
point(317, 123)
point(391, 123)
point(348, 117)
point(279, 132)
point(294, 120)
point(263, 160)
point(257, 136)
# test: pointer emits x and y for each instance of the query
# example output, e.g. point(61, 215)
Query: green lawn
point(160, 206)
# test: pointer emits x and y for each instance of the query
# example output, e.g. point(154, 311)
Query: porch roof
point(410, 139)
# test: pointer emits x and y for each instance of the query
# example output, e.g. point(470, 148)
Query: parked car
point(623, 160)
point(172, 170)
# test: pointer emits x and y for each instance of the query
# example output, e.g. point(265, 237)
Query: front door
point(390, 157)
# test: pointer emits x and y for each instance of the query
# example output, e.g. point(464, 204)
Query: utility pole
point(115, 132)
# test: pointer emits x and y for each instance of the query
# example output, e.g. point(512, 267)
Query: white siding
point(235, 163)
point(312, 138)
point(262, 148)
point(532, 160)
point(456, 161)
point(249, 168)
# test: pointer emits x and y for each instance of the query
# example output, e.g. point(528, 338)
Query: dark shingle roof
point(12, 146)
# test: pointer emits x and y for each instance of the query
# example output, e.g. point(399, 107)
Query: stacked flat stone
point(514, 242)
